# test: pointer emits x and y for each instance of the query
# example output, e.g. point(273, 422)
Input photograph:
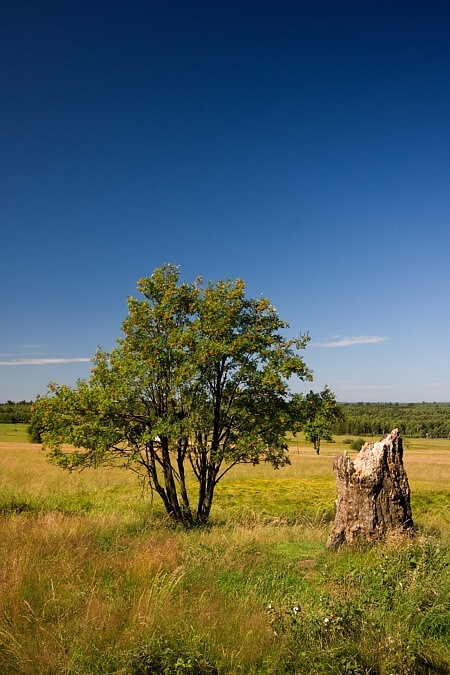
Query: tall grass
point(93, 579)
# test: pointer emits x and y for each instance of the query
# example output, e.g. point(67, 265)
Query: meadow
point(93, 579)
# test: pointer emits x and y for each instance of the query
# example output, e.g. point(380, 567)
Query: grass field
point(94, 580)
point(15, 433)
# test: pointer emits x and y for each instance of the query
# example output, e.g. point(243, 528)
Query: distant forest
point(360, 419)
point(416, 420)
point(15, 413)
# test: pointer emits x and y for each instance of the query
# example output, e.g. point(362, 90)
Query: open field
point(94, 580)
point(15, 433)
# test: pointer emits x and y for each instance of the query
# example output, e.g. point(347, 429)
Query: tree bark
point(373, 493)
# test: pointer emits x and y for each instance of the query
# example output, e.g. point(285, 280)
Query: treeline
point(417, 420)
point(15, 413)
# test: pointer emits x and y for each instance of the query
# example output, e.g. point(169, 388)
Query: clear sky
point(303, 146)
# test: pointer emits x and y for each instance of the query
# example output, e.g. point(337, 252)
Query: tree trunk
point(373, 493)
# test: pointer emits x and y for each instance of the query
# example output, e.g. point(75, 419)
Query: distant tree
point(198, 384)
point(320, 411)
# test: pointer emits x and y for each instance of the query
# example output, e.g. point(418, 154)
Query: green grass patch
point(14, 433)
point(280, 497)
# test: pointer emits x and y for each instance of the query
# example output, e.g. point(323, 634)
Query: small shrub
point(355, 444)
point(163, 657)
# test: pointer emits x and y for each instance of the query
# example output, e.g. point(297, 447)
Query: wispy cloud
point(42, 362)
point(339, 341)
point(21, 354)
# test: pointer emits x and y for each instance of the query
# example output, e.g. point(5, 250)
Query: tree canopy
point(198, 384)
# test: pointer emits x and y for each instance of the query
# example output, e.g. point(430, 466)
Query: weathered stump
point(373, 493)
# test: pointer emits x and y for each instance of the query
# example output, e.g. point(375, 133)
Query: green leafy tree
point(198, 384)
point(320, 411)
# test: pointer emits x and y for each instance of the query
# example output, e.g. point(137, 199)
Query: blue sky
point(304, 147)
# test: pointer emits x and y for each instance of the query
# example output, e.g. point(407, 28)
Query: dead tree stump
point(373, 493)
